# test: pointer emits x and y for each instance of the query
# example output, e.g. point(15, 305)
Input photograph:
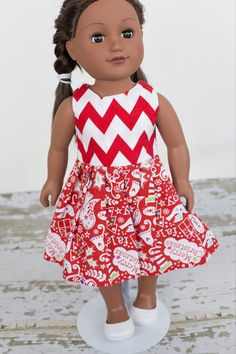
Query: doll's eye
point(97, 38)
point(128, 33)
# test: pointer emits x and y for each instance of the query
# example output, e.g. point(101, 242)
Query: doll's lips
point(118, 60)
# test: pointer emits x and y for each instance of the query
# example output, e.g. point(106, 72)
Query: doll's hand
point(184, 189)
point(50, 188)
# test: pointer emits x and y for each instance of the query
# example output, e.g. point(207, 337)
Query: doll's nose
point(116, 43)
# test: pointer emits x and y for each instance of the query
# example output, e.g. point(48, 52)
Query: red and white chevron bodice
point(116, 130)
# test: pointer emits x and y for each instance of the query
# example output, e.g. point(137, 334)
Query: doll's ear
point(70, 49)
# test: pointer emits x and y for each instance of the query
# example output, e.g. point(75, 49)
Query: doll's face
point(118, 33)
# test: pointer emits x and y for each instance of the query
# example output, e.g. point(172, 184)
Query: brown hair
point(65, 25)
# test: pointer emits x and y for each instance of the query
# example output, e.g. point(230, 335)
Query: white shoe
point(120, 330)
point(143, 317)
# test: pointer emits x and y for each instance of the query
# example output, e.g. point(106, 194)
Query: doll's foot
point(119, 325)
point(144, 310)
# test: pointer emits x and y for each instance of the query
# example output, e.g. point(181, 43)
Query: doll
point(119, 215)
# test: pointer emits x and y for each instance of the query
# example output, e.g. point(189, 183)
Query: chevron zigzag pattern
point(116, 130)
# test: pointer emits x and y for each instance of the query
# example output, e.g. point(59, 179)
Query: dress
point(118, 215)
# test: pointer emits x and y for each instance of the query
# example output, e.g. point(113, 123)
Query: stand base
point(91, 320)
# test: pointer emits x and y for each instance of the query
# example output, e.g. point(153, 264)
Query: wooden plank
point(206, 337)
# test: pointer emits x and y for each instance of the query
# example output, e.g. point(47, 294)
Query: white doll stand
point(92, 317)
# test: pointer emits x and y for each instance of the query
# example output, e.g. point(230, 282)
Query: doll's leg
point(116, 308)
point(146, 297)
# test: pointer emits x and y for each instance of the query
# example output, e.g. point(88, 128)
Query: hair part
point(65, 25)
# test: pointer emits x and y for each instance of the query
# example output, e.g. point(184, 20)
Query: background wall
point(189, 57)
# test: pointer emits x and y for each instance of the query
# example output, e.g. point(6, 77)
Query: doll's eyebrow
point(100, 23)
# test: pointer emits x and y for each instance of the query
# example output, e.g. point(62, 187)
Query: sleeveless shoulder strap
point(77, 94)
point(150, 93)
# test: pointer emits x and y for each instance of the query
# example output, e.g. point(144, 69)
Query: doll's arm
point(62, 133)
point(178, 155)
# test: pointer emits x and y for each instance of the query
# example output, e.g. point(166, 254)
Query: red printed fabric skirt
point(115, 223)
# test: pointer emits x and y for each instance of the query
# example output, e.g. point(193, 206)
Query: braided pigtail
point(64, 64)
point(65, 25)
